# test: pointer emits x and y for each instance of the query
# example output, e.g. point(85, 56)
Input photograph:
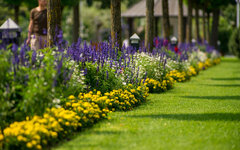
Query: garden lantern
point(193, 41)
point(10, 32)
point(135, 41)
point(174, 41)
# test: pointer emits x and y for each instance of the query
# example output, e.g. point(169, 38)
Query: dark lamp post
point(135, 41)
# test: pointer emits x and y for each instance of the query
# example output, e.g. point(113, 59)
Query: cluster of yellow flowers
point(191, 71)
point(84, 105)
point(115, 100)
point(216, 61)
point(201, 66)
point(77, 112)
point(208, 63)
point(178, 76)
point(1, 139)
point(34, 133)
point(156, 86)
point(126, 99)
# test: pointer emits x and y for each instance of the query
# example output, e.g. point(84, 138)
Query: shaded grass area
point(201, 114)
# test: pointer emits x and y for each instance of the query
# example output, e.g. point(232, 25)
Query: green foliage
point(6, 103)
point(101, 78)
point(223, 36)
point(28, 90)
point(234, 43)
point(229, 14)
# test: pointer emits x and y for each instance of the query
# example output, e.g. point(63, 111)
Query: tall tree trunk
point(189, 22)
point(156, 26)
point(208, 27)
point(53, 20)
point(180, 22)
point(149, 25)
point(215, 23)
point(76, 23)
point(16, 13)
point(166, 22)
point(197, 23)
point(130, 25)
point(204, 24)
point(116, 22)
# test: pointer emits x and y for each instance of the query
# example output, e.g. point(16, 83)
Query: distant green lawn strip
point(201, 114)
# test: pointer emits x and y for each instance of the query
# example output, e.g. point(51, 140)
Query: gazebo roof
point(139, 9)
point(10, 25)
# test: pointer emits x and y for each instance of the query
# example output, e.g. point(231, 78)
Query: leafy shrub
point(224, 35)
point(234, 43)
point(101, 77)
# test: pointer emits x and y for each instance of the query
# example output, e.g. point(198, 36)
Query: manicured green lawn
point(201, 114)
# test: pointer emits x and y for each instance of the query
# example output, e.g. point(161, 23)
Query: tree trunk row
point(189, 22)
point(53, 20)
point(166, 22)
point(180, 22)
point(116, 22)
point(215, 23)
point(149, 24)
point(197, 23)
point(76, 23)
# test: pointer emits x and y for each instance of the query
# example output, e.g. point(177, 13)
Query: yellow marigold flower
point(106, 94)
point(19, 138)
point(29, 145)
point(37, 137)
point(71, 97)
point(133, 90)
point(68, 104)
point(34, 142)
point(103, 115)
point(139, 88)
point(39, 147)
point(60, 120)
point(54, 134)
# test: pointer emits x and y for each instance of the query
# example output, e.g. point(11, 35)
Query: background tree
point(15, 4)
point(116, 22)
point(189, 22)
point(53, 20)
point(76, 17)
point(234, 42)
point(180, 22)
point(197, 31)
point(149, 24)
point(166, 22)
point(214, 7)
